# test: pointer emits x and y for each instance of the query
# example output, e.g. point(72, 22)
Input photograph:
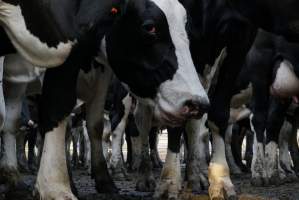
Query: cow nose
point(195, 108)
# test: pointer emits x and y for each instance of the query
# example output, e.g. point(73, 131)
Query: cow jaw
point(286, 83)
point(30, 46)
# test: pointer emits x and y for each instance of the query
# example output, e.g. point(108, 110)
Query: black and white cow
point(147, 47)
point(272, 63)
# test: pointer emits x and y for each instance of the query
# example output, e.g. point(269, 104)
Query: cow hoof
point(198, 183)
point(221, 186)
point(146, 184)
point(167, 189)
point(54, 192)
point(119, 173)
point(275, 180)
point(9, 175)
point(156, 161)
point(257, 182)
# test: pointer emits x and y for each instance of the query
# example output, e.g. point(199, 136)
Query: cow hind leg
point(53, 181)
point(285, 162)
point(154, 154)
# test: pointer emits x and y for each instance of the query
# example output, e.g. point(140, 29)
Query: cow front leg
point(143, 119)
point(221, 186)
point(285, 162)
point(197, 166)
point(117, 166)
point(170, 181)
point(52, 179)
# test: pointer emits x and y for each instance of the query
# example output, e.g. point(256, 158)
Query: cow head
point(148, 49)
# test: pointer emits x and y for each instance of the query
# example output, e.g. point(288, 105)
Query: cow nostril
point(195, 107)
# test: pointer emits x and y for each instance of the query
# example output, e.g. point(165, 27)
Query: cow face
point(148, 49)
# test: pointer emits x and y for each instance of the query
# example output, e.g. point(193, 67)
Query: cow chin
point(167, 118)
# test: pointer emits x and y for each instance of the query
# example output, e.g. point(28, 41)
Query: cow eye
point(149, 27)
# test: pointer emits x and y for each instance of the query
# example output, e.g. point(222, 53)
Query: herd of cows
point(224, 67)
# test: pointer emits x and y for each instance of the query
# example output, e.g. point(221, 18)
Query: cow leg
point(87, 156)
point(13, 93)
point(32, 137)
point(285, 162)
point(75, 138)
point(294, 149)
point(154, 154)
point(221, 185)
point(234, 168)
point(117, 163)
point(136, 143)
point(94, 120)
point(53, 180)
point(275, 121)
point(20, 145)
point(197, 166)
point(143, 118)
point(106, 139)
point(170, 181)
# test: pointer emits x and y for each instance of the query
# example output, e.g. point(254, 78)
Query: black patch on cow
point(59, 93)
point(118, 108)
point(139, 58)
point(6, 46)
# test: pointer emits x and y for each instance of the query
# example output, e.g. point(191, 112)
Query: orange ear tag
point(114, 11)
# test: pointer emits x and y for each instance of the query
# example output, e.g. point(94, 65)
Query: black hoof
point(146, 185)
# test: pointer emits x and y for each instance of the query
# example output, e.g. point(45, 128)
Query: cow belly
point(286, 83)
point(28, 45)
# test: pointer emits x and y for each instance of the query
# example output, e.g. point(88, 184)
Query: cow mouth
point(175, 119)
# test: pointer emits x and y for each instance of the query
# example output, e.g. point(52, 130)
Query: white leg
point(170, 180)
point(258, 172)
point(221, 185)
point(53, 180)
point(116, 163)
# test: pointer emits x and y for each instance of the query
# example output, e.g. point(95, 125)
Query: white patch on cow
point(234, 168)
point(19, 70)
point(185, 84)
point(271, 159)
point(170, 181)
point(258, 157)
point(286, 82)
point(116, 162)
point(52, 179)
point(106, 138)
point(27, 44)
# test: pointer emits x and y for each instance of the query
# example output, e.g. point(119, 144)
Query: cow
point(153, 75)
point(280, 17)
